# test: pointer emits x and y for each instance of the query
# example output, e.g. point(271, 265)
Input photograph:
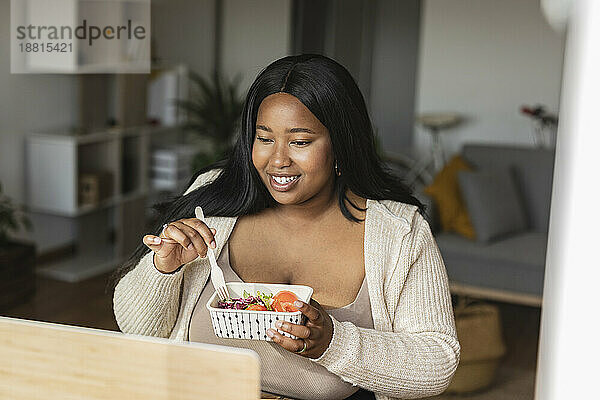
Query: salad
point(283, 301)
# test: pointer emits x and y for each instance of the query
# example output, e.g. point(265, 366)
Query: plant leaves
point(11, 218)
point(214, 109)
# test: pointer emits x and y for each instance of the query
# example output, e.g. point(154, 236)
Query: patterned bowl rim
point(282, 313)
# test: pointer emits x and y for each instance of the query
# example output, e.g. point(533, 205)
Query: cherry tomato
point(276, 305)
point(283, 301)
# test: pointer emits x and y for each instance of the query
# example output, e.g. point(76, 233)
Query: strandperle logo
point(90, 33)
point(80, 36)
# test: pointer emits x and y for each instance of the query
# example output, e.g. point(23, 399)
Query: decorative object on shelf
point(95, 187)
point(166, 86)
point(214, 110)
point(545, 125)
point(17, 259)
point(172, 167)
point(479, 331)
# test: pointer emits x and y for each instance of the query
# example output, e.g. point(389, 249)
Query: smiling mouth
point(283, 183)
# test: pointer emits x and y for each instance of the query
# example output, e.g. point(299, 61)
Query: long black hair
point(328, 90)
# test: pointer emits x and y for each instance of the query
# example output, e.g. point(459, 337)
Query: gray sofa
point(510, 268)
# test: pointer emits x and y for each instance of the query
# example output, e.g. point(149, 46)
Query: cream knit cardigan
point(412, 352)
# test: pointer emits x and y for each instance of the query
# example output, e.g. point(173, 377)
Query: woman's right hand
point(180, 242)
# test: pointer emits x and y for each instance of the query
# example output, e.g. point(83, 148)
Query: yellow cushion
point(445, 191)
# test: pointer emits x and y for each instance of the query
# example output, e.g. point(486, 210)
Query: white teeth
point(282, 180)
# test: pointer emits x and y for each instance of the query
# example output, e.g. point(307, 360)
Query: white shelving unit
point(107, 232)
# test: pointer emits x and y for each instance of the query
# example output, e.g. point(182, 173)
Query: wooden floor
point(89, 304)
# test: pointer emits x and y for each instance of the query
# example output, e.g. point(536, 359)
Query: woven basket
point(479, 331)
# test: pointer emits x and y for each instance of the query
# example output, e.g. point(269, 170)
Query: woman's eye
point(300, 142)
point(263, 140)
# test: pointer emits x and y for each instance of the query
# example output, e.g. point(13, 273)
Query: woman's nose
point(280, 156)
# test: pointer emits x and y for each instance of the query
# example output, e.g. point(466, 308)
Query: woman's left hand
point(317, 332)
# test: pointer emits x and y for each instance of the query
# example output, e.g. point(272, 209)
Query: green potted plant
point(213, 113)
point(17, 259)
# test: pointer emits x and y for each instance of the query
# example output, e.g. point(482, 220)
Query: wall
point(27, 103)
point(484, 59)
point(310, 21)
point(184, 32)
point(377, 41)
point(339, 29)
point(393, 74)
point(349, 38)
point(255, 33)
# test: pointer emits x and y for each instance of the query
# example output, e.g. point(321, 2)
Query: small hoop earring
point(337, 171)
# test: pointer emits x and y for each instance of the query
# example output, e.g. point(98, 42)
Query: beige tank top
point(282, 372)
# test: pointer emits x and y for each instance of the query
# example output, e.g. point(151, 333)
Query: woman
point(304, 199)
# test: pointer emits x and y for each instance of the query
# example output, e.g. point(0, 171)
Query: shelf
point(142, 67)
point(104, 234)
point(62, 135)
point(132, 196)
point(82, 266)
point(90, 208)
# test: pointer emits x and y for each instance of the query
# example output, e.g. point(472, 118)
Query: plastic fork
point(216, 274)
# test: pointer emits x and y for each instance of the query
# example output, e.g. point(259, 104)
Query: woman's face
point(292, 150)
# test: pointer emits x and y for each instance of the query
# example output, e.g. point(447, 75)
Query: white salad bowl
point(253, 325)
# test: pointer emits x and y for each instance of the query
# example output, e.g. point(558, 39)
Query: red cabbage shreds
point(240, 303)
point(225, 304)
